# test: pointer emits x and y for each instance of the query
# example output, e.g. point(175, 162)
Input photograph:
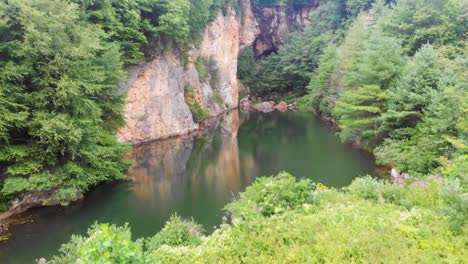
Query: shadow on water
point(195, 176)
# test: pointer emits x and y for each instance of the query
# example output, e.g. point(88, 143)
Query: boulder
point(265, 107)
point(293, 106)
point(398, 177)
point(245, 104)
point(282, 106)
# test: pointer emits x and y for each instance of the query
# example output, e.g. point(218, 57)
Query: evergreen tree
point(418, 22)
point(322, 81)
point(443, 124)
point(359, 112)
point(379, 63)
point(58, 82)
point(412, 94)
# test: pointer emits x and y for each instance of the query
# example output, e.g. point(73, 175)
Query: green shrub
point(65, 196)
point(177, 232)
point(416, 193)
point(104, 244)
point(273, 195)
point(198, 112)
point(200, 65)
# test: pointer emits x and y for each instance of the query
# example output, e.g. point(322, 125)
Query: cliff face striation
point(156, 105)
point(276, 22)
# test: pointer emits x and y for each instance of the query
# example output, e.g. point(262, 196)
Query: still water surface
point(195, 176)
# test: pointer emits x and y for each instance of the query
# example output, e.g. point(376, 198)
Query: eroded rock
point(266, 107)
point(282, 106)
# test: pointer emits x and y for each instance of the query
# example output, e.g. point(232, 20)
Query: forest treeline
point(393, 76)
point(59, 64)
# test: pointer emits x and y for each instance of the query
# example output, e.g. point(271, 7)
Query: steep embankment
point(276, 22)
point(156, 107)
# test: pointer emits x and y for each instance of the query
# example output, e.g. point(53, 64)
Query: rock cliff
point(276, 22)
point(156, 106)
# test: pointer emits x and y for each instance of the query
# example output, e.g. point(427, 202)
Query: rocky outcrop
point(155, 105)
point(156, 108)
point(282, 106)
point(265, 107)
point(276, 22)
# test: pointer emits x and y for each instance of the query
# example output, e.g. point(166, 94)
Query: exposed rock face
point(156, 108)
point(155, 102)
point(275, 24)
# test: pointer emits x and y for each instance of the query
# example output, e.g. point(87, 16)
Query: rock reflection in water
point(164, 171)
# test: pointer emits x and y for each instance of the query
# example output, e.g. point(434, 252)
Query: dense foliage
point(402, 93)
point(290, 69)
point(57, 78)
point(59, 64)
point(298, 222)
point(392, 73)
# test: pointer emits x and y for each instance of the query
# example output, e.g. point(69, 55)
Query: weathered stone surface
point(156, 108)
point(245, 104)
point(265, 107)
point(282, 106)
point(155, 105)
point(276, 22)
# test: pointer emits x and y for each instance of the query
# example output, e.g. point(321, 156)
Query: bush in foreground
point(279, 219)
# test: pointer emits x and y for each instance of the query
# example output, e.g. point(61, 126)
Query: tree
point(322, 82)
point(432, 142)
point(174, 21)
point(359, 113)
point(379, 63)
point(412, 93)
point(58, 81)
point(418, 22)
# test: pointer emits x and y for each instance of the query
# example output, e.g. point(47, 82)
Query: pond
point(195, 176)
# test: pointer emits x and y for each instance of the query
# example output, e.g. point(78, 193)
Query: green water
point(195, 176)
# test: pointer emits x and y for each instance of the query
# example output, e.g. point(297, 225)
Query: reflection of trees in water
point(164, 171)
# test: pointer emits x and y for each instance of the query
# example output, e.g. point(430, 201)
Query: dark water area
point(195, 176)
